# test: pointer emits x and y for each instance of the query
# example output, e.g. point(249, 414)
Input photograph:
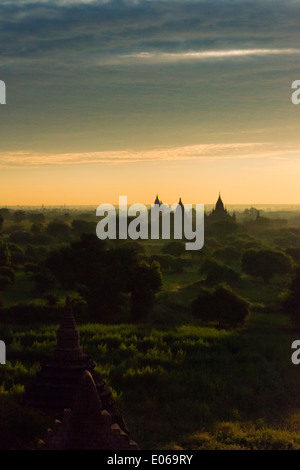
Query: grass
point(182, 386)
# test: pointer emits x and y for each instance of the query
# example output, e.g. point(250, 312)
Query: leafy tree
point(83, 226)
point(5, 256)
point(216, 271)
point(144, 281)
point(36, 217)
point(106, 276)
point(45, 282)
point(291, 300)
point(228, 254)
point(5, 213)
point(174, 248)
point(36, 228)
point(221, 305)
point(1, 222)
point(58, 229)
point(251, 214)
point(17, 255)
point(265, 264)
point(20, 215)
point(169, 263)
point(22, 237)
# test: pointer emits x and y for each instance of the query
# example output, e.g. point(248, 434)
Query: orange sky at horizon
point(257, 174)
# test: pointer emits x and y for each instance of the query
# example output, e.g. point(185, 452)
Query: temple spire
point(68, 336)
point(54, 387)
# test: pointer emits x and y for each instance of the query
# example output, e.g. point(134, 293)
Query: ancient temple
point(87, 426)
point(54, 387)
point(220, 213)
point(180, 203)
point(157, 201)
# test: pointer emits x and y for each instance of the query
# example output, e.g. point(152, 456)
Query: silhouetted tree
point(5, 213)
point(5, 256)
point(144, 281)
point(36, 229)
point(21, 237)
point(83, 226)
point(58, 229)
point(216, 271)
point(17, 255)
point(221, 305)
point(106, 276)
point(175, 248)
point(36, 217)
point(20, 215)
point(291, 301)
point(266, 264)
point(45, 282)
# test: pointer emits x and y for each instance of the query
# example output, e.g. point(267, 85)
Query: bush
point(266, 264)
point(216, 271)
point(221, 305)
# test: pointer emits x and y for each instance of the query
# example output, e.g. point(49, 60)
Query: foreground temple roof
point(87, 426)
point(54, 388)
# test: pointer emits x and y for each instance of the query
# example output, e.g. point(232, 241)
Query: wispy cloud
point(184, 153)
point(198, 55)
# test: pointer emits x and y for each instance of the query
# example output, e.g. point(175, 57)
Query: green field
point(181, 383)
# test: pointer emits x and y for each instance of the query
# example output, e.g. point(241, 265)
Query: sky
point(180, 98)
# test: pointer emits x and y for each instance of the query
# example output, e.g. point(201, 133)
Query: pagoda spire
point(68, 336)
point(54, 387)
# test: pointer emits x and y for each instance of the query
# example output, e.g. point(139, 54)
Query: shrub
point(221, 305)
point(217, 271)
point(265, 264)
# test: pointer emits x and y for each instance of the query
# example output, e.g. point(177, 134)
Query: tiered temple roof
point(54, 387)
point(220, 213)
point(87, 426)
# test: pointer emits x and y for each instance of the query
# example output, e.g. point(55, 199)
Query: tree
point(174, 248)
point(83, 226)
point(221, 305)
point(5, 255)
point(45, 282)
point(17, 255)
point(36, 217)
point(266, 264)
point(58, 229)
point(36, 228)
point(5, 213)
point(216, 271)
point(108, 277)
point(291, 300)
point(20, 215)
point(144, 281)
point(21, 237)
